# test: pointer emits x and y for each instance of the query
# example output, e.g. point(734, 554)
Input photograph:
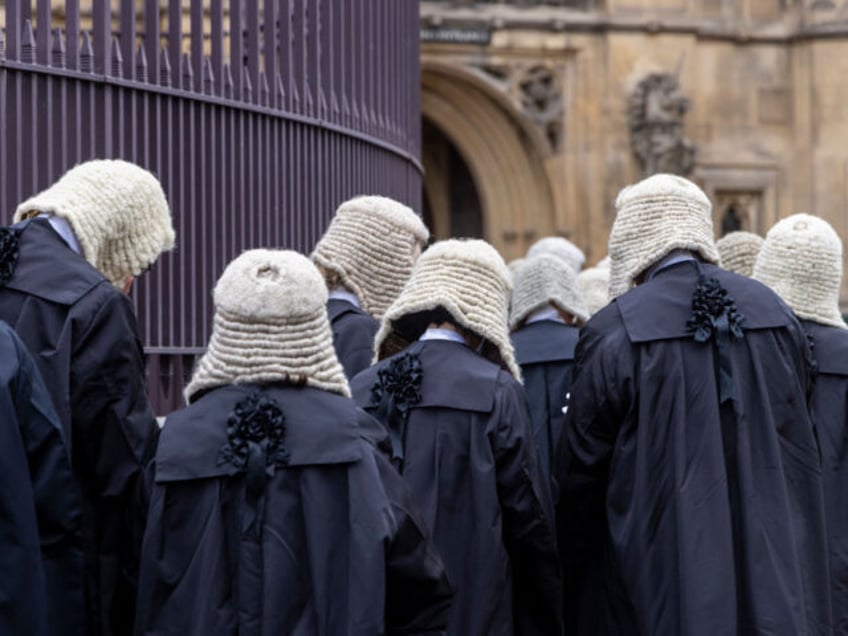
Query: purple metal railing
point(256, 138)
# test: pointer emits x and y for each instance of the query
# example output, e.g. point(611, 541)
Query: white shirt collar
point(673, 258)
point(442, 334)
point(63, 229)
point(545, 313)
point(343, 294)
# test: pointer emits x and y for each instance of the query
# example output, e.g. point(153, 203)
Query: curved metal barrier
point(256, 138)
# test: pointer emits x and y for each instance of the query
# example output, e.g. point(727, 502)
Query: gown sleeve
point(418, 593)
point(592, 420)
point(114, 435)
point(57, 503)
point(527, 527)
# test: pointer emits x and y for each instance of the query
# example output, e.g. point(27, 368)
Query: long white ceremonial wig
point(801, 260)
point(656, 216)
point(469, 280)
point(270, 326)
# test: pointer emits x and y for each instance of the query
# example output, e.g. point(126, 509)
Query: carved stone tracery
point(536, 91)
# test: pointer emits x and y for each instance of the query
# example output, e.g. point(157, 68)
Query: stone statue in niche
point(737, 210)
point(656, 110)
point(731, 222)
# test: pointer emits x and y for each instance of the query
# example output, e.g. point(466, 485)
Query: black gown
point(469, 458)
point(679, 515)
point(83, 336)
point(830, 414)
point(41, 575)
point(353, 335)
point(303, 529)
point(545, 351)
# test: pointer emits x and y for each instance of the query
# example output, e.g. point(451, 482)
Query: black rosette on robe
point(396, 391)
point(256, 432)
point(712, 309)
point(8, 253)
point(714, 314)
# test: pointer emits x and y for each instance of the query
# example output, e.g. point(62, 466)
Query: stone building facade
point(536, 113)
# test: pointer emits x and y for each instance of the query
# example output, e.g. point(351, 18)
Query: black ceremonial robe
point(676, 515)
point(312, 535)
point(470, 460)
point(830, 414)
point(40, 554)
point(545, 351)
point(82, 334)
point(353, 335)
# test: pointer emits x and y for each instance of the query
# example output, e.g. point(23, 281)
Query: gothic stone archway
point(508, 171)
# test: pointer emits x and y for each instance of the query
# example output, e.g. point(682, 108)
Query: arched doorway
point(451, 199)
point(475, 142)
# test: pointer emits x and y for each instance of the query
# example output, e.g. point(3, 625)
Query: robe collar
point(63, 229)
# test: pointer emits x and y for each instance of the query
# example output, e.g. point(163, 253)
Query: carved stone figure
point(541, 99)
point(539, 91)
point(656, 110)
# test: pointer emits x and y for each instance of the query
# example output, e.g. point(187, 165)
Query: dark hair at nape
point(411, 326)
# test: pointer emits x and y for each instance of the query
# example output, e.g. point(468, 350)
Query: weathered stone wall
point(767, 104)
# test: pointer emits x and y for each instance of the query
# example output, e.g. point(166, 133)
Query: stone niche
point(744, 197)
point(737, 210)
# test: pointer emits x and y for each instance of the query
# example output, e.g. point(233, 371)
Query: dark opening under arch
point(452, 206)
